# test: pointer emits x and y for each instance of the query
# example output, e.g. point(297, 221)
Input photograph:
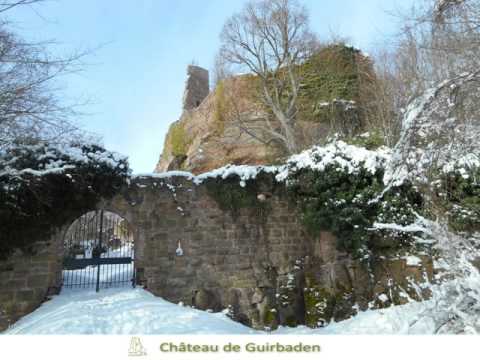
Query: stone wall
point(228, 259)
point(258, 262)
point(27, 279)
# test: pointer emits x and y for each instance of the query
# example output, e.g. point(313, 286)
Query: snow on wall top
point(350, 157)
point(244, 173)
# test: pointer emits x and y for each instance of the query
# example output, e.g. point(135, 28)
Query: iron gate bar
point(99, 251)
point(100, 236)
point(72, 264)
point(83, 236)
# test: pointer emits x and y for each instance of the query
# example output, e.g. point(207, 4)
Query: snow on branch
point(440, 129)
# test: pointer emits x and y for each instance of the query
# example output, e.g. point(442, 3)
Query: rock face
point(207, 135)
point(204, 139)
point(252, 257)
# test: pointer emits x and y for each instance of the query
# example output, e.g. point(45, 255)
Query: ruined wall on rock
point(336, 94)
point(196, 87)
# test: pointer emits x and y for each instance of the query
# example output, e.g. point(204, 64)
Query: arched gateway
point(98, 252)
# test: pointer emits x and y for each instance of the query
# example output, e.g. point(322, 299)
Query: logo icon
point(136, 347)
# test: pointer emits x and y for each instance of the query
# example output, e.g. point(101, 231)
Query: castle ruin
point(197, 87)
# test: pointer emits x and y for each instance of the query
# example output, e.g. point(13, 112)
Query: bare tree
point(270, 38)
point(440, 46)
point(440, 130)
point(6, 5)
point(220, 70)
point(32, 107)
point(440, 39)
point(381, 87)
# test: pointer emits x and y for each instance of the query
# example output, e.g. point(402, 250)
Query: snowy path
point(120, 311)
point(136, 311)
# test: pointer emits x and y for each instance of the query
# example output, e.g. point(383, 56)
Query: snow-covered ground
point(121, 311)
point(453, 308)
point(136, 311)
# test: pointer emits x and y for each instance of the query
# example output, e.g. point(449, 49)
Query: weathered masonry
point(252, 257)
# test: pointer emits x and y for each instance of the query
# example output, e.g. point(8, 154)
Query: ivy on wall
point(330, 74)
point(44, 186)
point(232, 194)
point(348, 205)
point(335, 72)
point(343, 196)
point(335, 89)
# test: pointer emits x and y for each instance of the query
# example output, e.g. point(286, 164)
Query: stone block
point(37, 281)
point(25, 295)
point(17, 283)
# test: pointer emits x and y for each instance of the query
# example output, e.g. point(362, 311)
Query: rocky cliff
point(335, 91)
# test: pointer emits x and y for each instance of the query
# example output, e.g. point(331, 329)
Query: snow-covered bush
point(454, 307)
point(458, 192)
point(43, 185)
point(439, 150)
point(371, 140)
point(340, 188)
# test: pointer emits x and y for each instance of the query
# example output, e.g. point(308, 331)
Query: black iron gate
point(99, 252)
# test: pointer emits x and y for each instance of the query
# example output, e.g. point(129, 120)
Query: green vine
point(459, 194)
point(232, 194)
point(178, 139)
point(34, 201)
point(348, 205)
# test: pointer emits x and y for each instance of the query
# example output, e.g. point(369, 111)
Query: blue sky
point(136, 76)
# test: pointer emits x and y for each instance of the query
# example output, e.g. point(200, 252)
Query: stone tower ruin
point(197, 87)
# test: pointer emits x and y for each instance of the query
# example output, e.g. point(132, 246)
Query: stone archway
point(98, 252)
